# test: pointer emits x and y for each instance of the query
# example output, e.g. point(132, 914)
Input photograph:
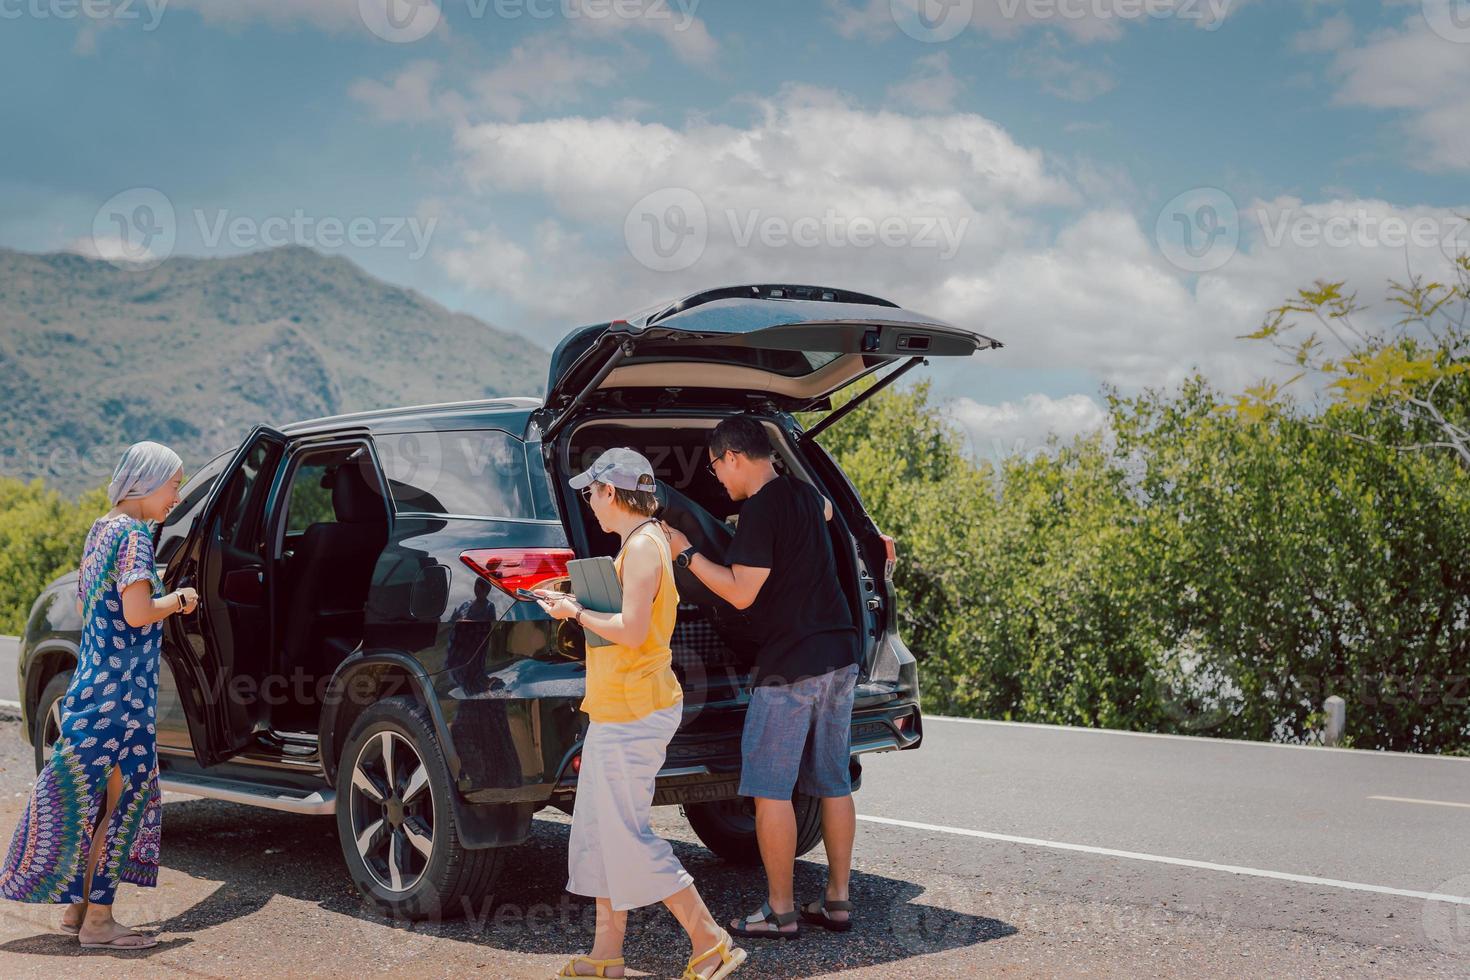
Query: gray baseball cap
point(619, 467)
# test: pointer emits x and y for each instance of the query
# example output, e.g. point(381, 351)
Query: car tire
point(727, 827)
point(46, 721)
point(404, 853)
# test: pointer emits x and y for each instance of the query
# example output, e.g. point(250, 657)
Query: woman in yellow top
point(634, 705)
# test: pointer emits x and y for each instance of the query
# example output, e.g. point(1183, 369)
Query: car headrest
point(354, 499)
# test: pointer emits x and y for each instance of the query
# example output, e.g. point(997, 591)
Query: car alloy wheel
point(392, 811)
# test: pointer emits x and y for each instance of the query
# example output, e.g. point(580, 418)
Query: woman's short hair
point(638, 501)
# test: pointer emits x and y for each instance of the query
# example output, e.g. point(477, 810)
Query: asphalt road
point(993, 850)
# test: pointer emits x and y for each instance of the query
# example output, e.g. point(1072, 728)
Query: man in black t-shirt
point(799, 724)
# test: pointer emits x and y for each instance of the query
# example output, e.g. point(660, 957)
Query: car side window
point(469, 472)
point(173, 531)
point(240, 508)
point(310, 500)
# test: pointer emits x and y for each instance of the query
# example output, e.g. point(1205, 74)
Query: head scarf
point(144, 468)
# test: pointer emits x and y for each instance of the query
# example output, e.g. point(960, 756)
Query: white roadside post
point(1336, 711)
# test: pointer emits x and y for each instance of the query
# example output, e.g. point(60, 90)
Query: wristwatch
point(685, 557)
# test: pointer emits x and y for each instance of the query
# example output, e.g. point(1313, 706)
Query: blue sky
point(1045, 138)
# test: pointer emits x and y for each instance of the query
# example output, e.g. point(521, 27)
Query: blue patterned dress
point(107, 719)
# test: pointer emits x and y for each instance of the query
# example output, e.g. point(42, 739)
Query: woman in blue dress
point(95, 815)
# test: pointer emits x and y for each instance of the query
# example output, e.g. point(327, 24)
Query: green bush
point(1196, 571)
point(41, 537)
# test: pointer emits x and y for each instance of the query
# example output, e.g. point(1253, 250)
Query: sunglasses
point(711, 464)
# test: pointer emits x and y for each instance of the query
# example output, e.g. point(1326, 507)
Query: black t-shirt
point(800, 616)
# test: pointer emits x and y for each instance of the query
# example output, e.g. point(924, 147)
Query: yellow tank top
point(626, 683)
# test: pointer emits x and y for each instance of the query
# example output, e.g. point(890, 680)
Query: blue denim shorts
point(799, 736)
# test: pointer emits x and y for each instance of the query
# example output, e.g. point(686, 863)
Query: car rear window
point(465, 472)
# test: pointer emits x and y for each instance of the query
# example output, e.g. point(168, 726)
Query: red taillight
point(902, 723)
point(890, 555)
point(577, 762)
point(518, 568)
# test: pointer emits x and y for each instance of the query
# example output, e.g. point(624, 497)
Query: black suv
point(359, 648)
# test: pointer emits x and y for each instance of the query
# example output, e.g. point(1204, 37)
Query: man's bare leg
point(775, 830)
point(839, 828)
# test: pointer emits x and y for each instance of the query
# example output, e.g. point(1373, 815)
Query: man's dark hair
point(742, 433)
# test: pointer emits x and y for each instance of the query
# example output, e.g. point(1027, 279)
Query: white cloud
point(889, 162)
point(410, 96)
point(1101, 299)
point(111, 248)
point(1020, 428)
point(931, 87)
point(1420, 73)
point(1066, 78)
point(329, 15)
point(1098, 20)
point(959, 169)
point(1330, 35)
point(542, 73)
point(1088, 294)
point(673, 21)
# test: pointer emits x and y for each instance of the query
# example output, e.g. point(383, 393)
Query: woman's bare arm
point(141, 609)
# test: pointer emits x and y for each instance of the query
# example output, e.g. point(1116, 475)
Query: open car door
point(790, 346)
point(219, 653)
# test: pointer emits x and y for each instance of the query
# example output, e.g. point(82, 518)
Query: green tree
point(41, 537)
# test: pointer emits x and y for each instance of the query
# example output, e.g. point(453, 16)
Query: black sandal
point(774, 919)
point(816, 914)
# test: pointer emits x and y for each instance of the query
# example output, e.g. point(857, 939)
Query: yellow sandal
point(731, 958)
point(570, 970)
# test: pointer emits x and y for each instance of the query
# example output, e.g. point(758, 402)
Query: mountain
point(194, 352)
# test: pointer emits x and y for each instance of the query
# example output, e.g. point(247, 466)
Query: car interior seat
point(331, 572)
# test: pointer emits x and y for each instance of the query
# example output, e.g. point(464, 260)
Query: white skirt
point(613, 853)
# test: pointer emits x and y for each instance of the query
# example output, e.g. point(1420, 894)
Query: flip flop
point(118, 944)
point(601, 966)
point(816, 914)
point(775, 919)
point(731, 958)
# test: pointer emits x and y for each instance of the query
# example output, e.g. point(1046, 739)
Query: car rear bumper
point(706, 768)
point(524, 748)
